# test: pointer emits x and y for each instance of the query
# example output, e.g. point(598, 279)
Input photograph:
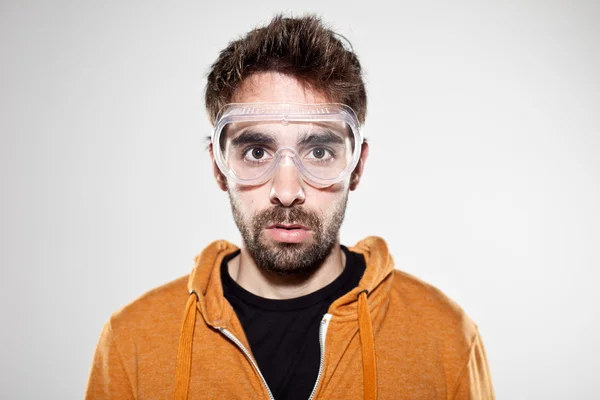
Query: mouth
point(288, 227)
point(288, 233)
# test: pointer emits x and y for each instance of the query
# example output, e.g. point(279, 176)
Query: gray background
point(484, 174)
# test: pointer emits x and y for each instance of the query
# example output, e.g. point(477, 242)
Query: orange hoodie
point(392, 337)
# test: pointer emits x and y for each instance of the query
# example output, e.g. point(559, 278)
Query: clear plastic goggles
point(251, 141)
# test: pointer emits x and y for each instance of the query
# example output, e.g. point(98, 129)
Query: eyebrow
point(252, 137)
point(325, 137)
point(259, 138)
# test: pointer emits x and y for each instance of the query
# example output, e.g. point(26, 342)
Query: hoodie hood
point(375, 281)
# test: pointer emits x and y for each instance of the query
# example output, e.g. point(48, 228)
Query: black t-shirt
point(284, 334)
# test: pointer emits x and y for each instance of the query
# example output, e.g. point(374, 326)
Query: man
point(292, 313)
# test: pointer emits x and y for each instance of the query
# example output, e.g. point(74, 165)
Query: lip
point(293, 233)
point(285, 226)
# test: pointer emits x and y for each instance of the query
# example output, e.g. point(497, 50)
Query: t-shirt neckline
point(232, 288)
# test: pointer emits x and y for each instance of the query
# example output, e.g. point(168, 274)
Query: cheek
point(249, 200)
point(326, 201)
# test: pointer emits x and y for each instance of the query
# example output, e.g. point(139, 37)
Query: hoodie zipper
point(322, 336)
point(239, 344)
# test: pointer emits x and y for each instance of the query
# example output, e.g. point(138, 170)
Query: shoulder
point(139, 339)
point(428, 327)
point(432, 310)
point(155, 311)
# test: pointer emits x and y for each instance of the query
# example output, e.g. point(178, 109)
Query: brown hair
point(300, 47)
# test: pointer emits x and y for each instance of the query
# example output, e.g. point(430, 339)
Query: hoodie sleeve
point(475, 382)
point(108, 378)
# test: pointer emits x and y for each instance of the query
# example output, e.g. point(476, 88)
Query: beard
point(290, 259)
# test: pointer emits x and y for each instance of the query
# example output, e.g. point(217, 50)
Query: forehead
point(273, 127)
point(272, 87)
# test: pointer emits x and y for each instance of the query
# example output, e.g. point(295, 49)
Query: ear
point(358, 171)
point(219, 177)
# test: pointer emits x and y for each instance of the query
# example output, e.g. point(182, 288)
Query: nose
point(287, 188)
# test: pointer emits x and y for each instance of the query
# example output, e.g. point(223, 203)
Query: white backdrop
point(484, 173)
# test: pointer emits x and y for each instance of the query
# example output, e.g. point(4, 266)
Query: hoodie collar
point(374, 283)
point(205, 280)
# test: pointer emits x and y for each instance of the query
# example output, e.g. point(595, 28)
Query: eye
point(256, 154)
point(320, 153)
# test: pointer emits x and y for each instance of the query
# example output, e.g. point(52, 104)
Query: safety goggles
point(251, 141)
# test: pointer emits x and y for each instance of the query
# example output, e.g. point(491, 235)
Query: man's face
point(288, 226)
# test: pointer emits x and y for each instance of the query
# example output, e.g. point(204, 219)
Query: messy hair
point(303, 48)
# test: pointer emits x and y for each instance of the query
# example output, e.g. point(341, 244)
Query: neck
point(248, 275)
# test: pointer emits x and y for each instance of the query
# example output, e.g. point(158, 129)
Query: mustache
point(288, 216)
